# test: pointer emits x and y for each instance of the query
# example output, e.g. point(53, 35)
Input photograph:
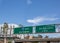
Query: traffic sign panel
point(23, 30)
point(45, 29)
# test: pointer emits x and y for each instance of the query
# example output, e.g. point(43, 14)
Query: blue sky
point(30, 12)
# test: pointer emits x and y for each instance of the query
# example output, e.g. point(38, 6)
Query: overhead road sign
point(23, 30)
point(27, 30)
point(45, 29)
point(51, 28)
point(18, 31)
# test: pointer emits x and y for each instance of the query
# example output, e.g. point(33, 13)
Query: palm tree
point(20, 25)
point(5, 27)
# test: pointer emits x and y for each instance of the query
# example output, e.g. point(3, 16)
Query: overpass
point(33, 40)
point(39, 40)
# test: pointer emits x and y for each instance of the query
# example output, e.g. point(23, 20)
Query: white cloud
point(29, 2)
point(40, 19)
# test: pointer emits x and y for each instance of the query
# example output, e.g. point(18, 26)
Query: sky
point(30, 12)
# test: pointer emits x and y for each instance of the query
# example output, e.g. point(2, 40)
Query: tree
point(20, 25)
point(5, 27)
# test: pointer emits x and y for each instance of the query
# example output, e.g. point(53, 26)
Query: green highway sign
point(23, 30)
point(18, 31)
point(28, 30)
point(45, 29)
point(38, 29)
